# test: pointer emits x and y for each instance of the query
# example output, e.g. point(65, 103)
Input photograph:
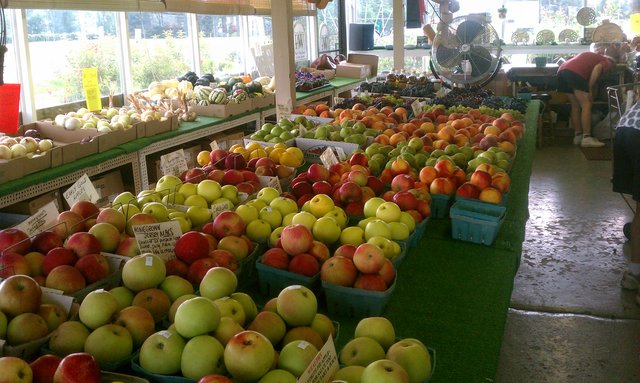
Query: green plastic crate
point(357, 303)
point(273, 280)
point(440, 204)
point(477, 223)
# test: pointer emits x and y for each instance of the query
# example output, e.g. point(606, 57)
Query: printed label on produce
point(82, 190)
point(328, 158)
point(267, 181)
point(158, 238)
point(45, 217)
point(323, 367)
point(218, 208)
point(174, 163)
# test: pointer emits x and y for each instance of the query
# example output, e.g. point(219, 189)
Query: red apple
point(375, 184)
point(94, 267)
point(296, 239)
point(194, 175)
point(402, 182)
point(82, 243)
point(358, 159)
point(235, 161)
point(306, 197)
point(339, 270)
point(198, 269)
point(301, 188)
point(265, 171)
point(387, 272)
point(217, 155)
point(19, 294)
point(14, 240)
point(372, 282)
point(85, 209)
point(346, 251)
point(56, 257)
point(354, 209)
point(191, 246)
point(322, 187)
point(45, 241)
point(480, 178)
point(13, 264)
point(277, 258)
point(358, 177)
point(66, 278)
point(350, 192)
point(468, 190)
point(215, 378)
point(266, 161)
point(442, 185)
point(388, 195)
point(317, 172)
point(400, 166)
point(304, 264)
point(176, 267)
point(224, 258)
point(232, 177)
point(228, 223)
point(444, 168)
point(424, 208)
point(78, 368)
point(216, 175)
point(368, 258)
point(405, 200)
point(44, 367)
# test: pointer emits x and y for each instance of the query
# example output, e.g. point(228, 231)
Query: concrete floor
point(569, 320)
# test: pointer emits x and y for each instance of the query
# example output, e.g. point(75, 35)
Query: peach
point(501, 123)
point(491, 195)
point(427, 174)
point(492, 130)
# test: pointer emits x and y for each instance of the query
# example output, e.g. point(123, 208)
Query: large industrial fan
point(466, 52)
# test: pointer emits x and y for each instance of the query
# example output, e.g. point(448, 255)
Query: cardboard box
point(152, 128)
point(226, 139)
point(269, 99)
point(32, 205)
point(191, 153)
point(220, 111)
point(74, 144)
point(18, 167)
point(353, 70)
point(313, 148)
point(109, 184)
point(365, 59)
point(327, 73)
point(109, 141)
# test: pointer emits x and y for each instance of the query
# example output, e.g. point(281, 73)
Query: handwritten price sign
point(158, 238)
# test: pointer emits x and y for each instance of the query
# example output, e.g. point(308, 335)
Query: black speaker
point(413, 17)
point(360, 37)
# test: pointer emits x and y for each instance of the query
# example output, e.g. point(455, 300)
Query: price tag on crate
point(416, 106)
point(81, 190)
point(45, 217)
point(267, 181)
point(214, 145)
point(340, 153)
point(174, 163)
point(219, 207)
point(158, 238)
point(323, 366)
point(328, 157)
point(337, 100)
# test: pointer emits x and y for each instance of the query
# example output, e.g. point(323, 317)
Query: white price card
point(45, 217)
point(416, 106)
point(81, 190)
point(267, 181)
point(323, 366)
point(337, 100)
point(341, 154)
point(219, 207)
point(302, 130)
point(158, 238)
point(174, 163)
point(214, 145)
point(328, 158)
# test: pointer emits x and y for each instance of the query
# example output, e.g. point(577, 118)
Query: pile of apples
point(74, 368)
point(387, 220)
point(29, 145)
point(486, 184)
point(24, 317)
point(362, 267)
point(442, 178)
point(282, 131)
point(375, 355)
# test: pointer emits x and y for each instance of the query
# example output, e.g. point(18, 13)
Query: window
point(260, 45)
point(10, 66)
point(61, 44)
point(221, 46)
point(160, 47)
point(301, 46)
point(328, 37)
point(380, 14)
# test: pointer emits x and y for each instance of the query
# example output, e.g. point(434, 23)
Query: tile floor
point(569, 320)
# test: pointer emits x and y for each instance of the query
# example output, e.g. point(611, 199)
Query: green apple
point(258, 230)
point(185, 223)
point(196, 200)
point(304, 218)
point(196, 316)
point(123, 295)
point(278, 376)
point(138, 321)
point(167, 184)
point(297, 305)
point(227, 329)
point(202, 355)
point(284, 205)
point(296, 356)
point(324, 326)
point(147, 196)
point(320, 205)
point(109, 343)
point(218, 282)
point(248, 305)
point(306, 206)
point(16, 370)
point(388, 212)
point(248, 356)
point(143, 271)
point(26, 327)
point(408, 220)
point(188, 189)
point(199, 215)
point(352, 235)
point(268, 194)
point(288, 219)
point(248, 213)
point(413, 357)
point(384, 371)
point(395, 248)
point(231, 308)
point(129, 210)
point(174, 306)
point(270, 215)
point(257, 203)
point(326, 230)
point(386, 245)
point(361, 351)
point(161, 353)
point(3, 325)
point(364, 222)
point(98, 308)
point(339, 215)
point(123, 199)
point(349, 374)
point(230, 192)
point(269, 324)
point(399, 231)
point(275, 236)
point(175, 286)
point(371, 206)
point(158, 210)
point(68, 338)
point(378, 328)
point(377, 227)
point(173, 198)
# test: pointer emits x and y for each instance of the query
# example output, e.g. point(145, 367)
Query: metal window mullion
point(23, 61)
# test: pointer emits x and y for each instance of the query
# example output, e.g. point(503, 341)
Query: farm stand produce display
point(440, 282)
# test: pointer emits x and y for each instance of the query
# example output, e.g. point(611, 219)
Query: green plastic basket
point(273, 280)
point(357, 303)
point(440, 204)
point(477, 223)
point(135, 366)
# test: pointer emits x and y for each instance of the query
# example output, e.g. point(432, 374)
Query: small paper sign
point(337, 100)
point(91, 89)
point(274, 182)
point(416, 106)
point(219, 207)
point(45, 217)
point(341, 154)
point(158, 238)
point(82, 190)
point(328, 158)
point(174, 163)
point(323, 366)
point(302, 130)
point(10, 107)
point(214, 145)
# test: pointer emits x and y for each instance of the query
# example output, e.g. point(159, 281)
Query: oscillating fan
point(466, 52)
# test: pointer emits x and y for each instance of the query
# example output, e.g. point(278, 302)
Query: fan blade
point(468, 30)
point(480, 59)
point(448, 57)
